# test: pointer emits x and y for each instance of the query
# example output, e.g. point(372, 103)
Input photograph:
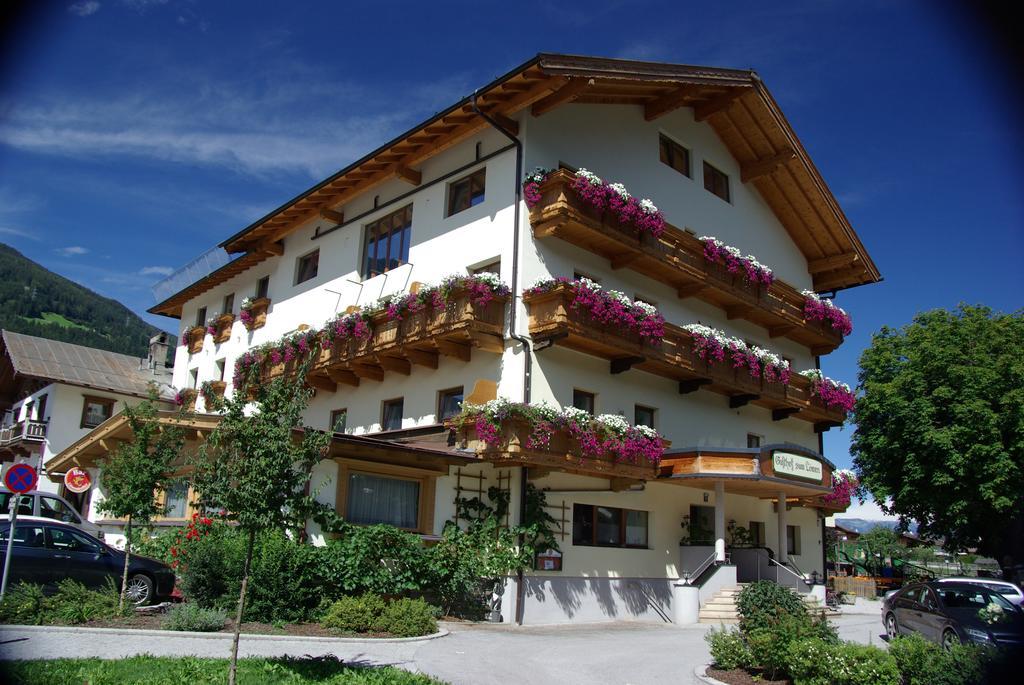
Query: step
point(717, 621)
point(720, 602)
point(713, 613)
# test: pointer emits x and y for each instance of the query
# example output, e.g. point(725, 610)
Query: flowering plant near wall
point(735, 263)
point(596, 436)
point(603, 196)
point(609, 307)
point(818, 309)
point(481, 289)
point(183, 397)
point(245, 312)
point(211, 324)
point(714, 346)
point(844, 487)
point(832, 392)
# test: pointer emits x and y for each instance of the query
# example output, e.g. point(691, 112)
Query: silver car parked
point(47, 505)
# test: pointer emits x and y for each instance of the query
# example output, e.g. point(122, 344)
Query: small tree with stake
point(136, 470)
point(254, 468)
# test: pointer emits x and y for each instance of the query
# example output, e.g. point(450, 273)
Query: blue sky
point(135, 134)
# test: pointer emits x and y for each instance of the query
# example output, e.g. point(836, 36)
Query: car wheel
point(139, 590)
point(891, 629)
point(950, 639)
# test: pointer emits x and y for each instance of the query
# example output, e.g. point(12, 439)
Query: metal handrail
point(790, 571)
point(689, 576)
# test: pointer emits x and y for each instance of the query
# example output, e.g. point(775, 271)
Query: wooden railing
point(394, 346)
point(27, 431)
point(553, 320)
point(677, 259)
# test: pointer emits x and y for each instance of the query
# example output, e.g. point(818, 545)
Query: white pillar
point(719, 521)
point(782, 528)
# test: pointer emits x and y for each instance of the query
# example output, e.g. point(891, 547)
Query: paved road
point(473, 654)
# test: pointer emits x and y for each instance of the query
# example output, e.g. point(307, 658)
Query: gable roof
point(734, 102)
point(53, 361)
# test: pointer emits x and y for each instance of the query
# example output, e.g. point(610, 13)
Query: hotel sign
point(788, 464)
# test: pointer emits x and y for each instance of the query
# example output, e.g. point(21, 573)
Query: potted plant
point(253, 312)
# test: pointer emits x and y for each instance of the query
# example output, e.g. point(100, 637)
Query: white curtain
point(377, 499)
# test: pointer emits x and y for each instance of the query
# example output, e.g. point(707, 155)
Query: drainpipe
point(513, 333)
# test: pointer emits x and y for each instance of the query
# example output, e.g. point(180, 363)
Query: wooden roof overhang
point(744, 471)
point(734, 102)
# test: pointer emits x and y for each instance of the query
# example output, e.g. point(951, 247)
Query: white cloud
point(72, 251)
point(867, 510)
point(156, 271)
point(84, 9)
point(18, 233)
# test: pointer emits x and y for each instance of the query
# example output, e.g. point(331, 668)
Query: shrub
point(769, 645)
point(408, 618)
point(381, 559)
point(287, 582)
point(925, 663)
point(762, 602)
point(192, 617)
point(73, 603)
point(354, 614)
point(814, 662)
point(728, 649)
point(23, 604)
point(209, 566)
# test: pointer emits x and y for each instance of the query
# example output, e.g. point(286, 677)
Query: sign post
point(19, 478)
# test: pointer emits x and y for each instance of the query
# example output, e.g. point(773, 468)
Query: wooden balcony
point(23, 432)
point(395, 346)
point(223, 328)
point(553, 321)
point(677, 259)
point(196, 336)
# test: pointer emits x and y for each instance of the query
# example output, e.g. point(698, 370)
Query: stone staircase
point(721, 608)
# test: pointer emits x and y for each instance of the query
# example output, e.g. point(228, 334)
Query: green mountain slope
point(36, 301)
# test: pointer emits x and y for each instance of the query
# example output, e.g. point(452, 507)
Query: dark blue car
point(47, 552)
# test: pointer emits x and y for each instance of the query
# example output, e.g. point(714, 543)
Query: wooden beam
point(567, 93)
point(395, 364)
point(624, 259)
point(763, 167)
point(368, 371)
point(715, 105)
point(737, 311)
point(507, 123)
point(824, 426)
point(784, 413)
point(274, 248)
point(843, 278)
point(450, 348)
point(322, 383)
point(624, 364)
point(421, 357)
point(779, 331)
point(692, 385)
point(816, 266)
point(343, 376)
point(409, 175)
point(690, 290)
point(737, 401)
point(667, 103)
point(332, 215)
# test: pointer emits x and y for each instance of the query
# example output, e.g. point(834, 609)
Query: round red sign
point(20, 478)
point(77, 480)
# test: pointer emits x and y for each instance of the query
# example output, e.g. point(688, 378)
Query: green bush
point(381, 559)
point(287, 582)
point(72, 603)
point(728, 649)
point(354, 614)
point(814, 662)
point(769, 645)
point(921, 662)
point(192, 617)
point(407, 618)
point(760, 603)
point(23, 605)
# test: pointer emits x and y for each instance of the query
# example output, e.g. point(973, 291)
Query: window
point(96, 410)
point(674, 155)
point(193, 378)
point(466, 192)
point(391, 414)
point(449, 403)
point(25, 535)
point(263, 287)
point(338, 419)
point(716, 181)
point(702, 525)
point(24, 506)
point(583, 400)
point(72, 541)
point(488, 268)
point(229, 304)
point(793, 540)
point(306, 267)
point(753, 440)
point(41, 408)
point(580, 276)
point(201, 316)
point(643, 416)
point(608, 526)
point(221, 364)
point(176, 500)
point(53, 508)
point(381, 499)
point(387, 242)
point(757, 533)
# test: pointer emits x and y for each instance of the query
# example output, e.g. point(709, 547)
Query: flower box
point(214, 389)
point(196, 336)
point(222, 332)
point(254, 313)
point(186, 399)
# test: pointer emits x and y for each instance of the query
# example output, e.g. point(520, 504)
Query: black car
point(951, 613)
point(47, 552)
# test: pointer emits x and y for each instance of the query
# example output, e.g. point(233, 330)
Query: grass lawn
point(148, 670)
point(58, 319)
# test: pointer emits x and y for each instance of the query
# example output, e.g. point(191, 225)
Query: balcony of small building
point(23, 436)
point(554, 321)
point(677, 259)
point(456, 331)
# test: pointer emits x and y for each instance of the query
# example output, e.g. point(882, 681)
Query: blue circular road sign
point(20, 478)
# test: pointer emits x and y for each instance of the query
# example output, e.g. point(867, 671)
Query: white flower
point(647, 309)
point(490, 279)
point(734, 251)
point(591, 178)
point(537, 175)
point(646, 431)
point(246, 302)
point(577, 416)
point(647, 207)
point(619, 190)
point(620, 297)
point(613, 422)
point(588, 284)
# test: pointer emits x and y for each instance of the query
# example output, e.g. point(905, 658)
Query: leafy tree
point(137, 470)
point(255, 467)
point(878, 544)
point(940, 427)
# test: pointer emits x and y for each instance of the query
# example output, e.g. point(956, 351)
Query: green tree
point(940, 427)
point(878, 544)
point(255, 467)
point(137, 470)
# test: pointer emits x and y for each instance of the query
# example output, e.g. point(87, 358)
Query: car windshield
point(972, 598)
